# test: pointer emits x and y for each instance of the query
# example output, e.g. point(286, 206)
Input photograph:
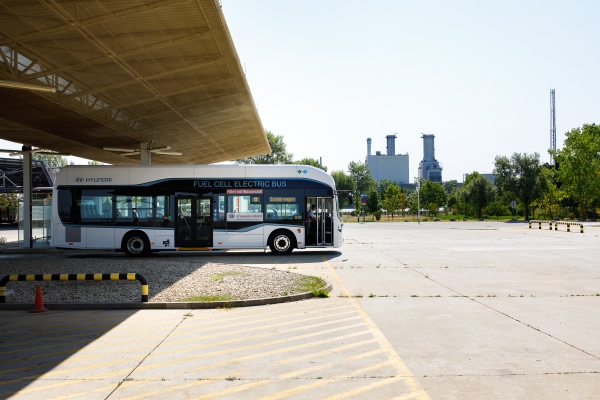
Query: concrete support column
point(27, 240)
point(145, 155)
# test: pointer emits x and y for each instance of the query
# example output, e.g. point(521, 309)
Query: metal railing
point(131, 276)
point(567, 223)
point(540, 222)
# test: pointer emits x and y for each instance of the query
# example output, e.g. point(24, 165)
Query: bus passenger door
point(193, 226)
point(325, 221)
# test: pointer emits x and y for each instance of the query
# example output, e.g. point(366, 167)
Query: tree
point(579, 166)
point(450, 186)
point(279, 154)
point(552, 196)
point(384, 183)
point(433, 196)
point(92, 162)
point(478, 191)
point(372, 205)
point(54, 162)
point(519, 175)
point(313, 162)
point(361, 175)
point(497, 208)
point(393, 199)
point(343, 181)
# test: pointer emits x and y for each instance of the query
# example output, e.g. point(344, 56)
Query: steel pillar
point(27, 239)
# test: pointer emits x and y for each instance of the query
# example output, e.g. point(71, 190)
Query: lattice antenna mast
point(552, 125)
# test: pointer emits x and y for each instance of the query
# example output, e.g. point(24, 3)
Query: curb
point(163, 306)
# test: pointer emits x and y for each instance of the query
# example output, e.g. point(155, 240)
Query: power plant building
point(430, 169)
point(390, 165)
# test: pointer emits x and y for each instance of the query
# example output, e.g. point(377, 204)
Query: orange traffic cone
point(38, 306)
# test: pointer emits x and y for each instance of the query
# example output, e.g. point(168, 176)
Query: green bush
point(377, 215)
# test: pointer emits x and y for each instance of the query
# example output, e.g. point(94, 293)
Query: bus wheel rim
point(135, 245)
point(282, 243)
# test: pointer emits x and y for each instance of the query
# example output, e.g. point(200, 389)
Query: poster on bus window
point(244, 216)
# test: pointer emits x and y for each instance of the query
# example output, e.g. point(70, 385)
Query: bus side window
point(95, 205)
point(124, 208)
point(163, 208)
point(65, 205)
point(219, 208)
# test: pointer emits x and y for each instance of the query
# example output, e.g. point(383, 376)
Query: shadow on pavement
point(36, 345)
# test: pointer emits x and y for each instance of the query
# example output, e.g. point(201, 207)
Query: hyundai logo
point(79, 179)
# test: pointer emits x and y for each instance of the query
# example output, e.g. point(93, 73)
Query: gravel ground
point(168, 281)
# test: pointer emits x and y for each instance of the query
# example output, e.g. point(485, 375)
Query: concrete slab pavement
point(447, 339)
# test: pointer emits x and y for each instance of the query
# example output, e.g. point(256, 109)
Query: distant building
point(429, 169)
point(390, 165)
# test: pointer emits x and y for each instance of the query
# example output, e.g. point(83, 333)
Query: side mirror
point(350, 199)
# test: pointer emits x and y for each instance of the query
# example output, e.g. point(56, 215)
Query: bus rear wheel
point(136, 244)
point(282, 242)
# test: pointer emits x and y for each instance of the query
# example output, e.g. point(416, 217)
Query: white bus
point(143, 209)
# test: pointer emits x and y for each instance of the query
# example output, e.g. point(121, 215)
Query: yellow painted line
point(88, 324)
point(236, 389)
point(323, 366)
point(11, 320)
point(90, 327)
point(371, 368)
point(47, 339)
point(245, 338)
point(366, 388)
point(124, 372)
point(73, 395)
point(231, 333)
point(325, 352)
point(197, 382)
point(96, 355)
point(91, 346)
point(278, 351)
point(397, 362)
point(320, 382)
point(192, 325)
point(156, 365)
point(256, 345)
point(406, 397)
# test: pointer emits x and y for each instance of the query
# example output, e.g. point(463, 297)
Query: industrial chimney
point(428, 148)
point(368, 146)
point(391, 145)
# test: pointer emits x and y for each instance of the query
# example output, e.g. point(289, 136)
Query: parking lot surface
point(465, 310)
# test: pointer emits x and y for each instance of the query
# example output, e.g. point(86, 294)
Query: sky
point(477, 74)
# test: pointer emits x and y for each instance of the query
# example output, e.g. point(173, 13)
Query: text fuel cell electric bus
point(139, 209)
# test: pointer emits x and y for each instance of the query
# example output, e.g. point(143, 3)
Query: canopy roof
point(126, 72)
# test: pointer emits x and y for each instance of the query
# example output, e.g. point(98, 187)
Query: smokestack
point(428, 147)
point(391, 145)
point(368, 146)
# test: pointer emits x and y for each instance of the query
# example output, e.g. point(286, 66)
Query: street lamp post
point(418, 200)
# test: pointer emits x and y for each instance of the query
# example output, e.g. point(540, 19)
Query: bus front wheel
point(136, 244)
point(282, 242)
